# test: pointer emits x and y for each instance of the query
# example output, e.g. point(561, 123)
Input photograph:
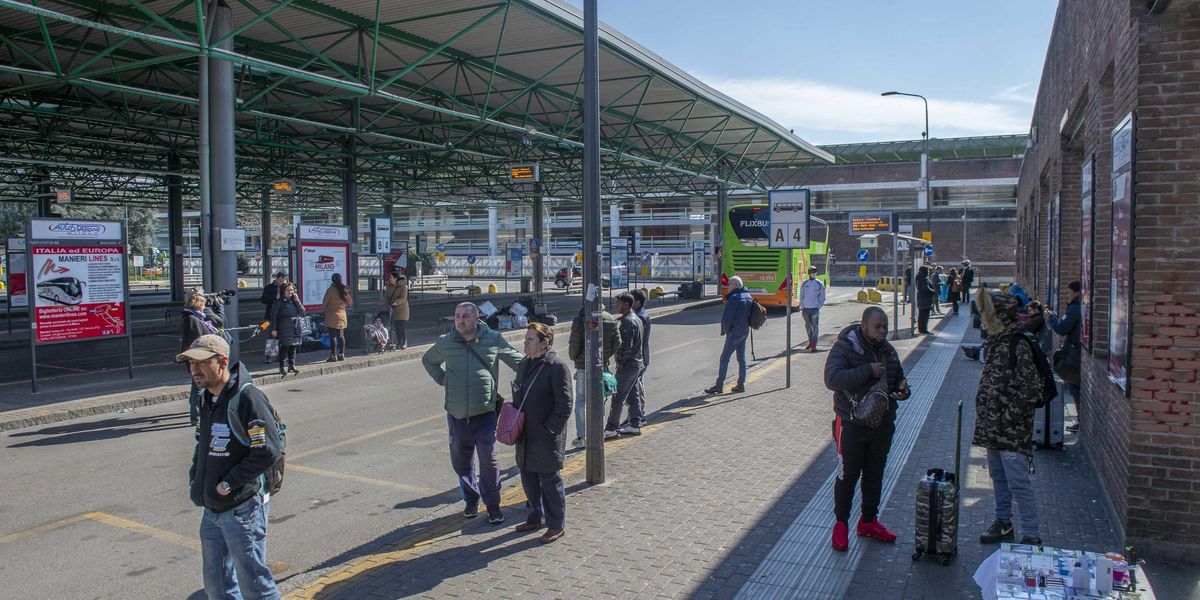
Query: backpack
point(758, 314)
point(272, 480)
point(1049, 388)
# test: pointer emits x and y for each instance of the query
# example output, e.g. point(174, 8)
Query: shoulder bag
point(512, 418)
point(493, 370)
point(870, 410)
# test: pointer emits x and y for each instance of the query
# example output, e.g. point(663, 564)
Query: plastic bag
point(272, 349)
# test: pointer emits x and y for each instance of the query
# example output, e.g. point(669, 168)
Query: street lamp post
point(924, 155)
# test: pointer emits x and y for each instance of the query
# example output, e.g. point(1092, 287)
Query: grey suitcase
point(936, 530)
point(1048, 422)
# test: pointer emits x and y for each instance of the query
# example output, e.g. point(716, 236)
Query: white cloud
point(828, 114)
point(1023, 93)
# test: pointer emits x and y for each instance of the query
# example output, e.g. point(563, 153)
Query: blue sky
point(818, 67)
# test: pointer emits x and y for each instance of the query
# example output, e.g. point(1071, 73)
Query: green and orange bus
point(745, 234)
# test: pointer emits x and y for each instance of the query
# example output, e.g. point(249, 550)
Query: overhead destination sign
point(530, 173)
point(872, 222)
point(284, 187)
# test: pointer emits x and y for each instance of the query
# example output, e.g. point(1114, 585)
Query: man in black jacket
point(629, 369)
point(235, 445)
point(271, 292)
point(862, 359)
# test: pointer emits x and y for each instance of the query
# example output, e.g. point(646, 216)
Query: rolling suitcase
point(936, 530)
point(1048, 423)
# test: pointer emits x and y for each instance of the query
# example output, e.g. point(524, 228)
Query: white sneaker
point(630, 430)
point(577, 442)
point(610, 434)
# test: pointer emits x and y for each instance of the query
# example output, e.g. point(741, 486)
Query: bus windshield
point(750, 224)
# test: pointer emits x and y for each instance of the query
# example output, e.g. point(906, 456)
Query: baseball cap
point(204, 348)
point(813, 269)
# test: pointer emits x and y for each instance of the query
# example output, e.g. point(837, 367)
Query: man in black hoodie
point(861, 359)
point(237, 441)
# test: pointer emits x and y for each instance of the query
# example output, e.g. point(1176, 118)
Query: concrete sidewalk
point(79, 395)
point(722, 496)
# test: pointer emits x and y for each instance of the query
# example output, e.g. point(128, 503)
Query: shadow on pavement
point(107, 429)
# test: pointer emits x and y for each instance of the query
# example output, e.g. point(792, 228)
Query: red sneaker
point(875, 529)
point(841, 536)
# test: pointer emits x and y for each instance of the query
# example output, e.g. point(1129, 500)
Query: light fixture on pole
point(924, 155)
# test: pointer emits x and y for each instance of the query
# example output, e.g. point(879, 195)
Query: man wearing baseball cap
point(234, 448)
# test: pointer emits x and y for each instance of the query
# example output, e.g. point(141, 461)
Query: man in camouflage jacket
point(1008, 390)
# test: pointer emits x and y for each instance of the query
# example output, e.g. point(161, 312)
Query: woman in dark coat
point(926, 296)
point(196, 320)
point(285, 326)
point(542, 390)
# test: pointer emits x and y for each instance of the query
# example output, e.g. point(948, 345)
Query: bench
point(674, 296)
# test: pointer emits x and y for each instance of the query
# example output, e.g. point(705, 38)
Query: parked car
point(560, 278)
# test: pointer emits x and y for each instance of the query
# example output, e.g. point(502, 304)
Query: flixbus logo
point(88, 229)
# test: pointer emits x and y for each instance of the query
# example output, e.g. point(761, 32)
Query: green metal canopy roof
point(992, 146)
point(440, 96)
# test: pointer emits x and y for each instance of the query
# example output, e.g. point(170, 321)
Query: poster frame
point(1120, 349)
point(32, 241)
point(320, 236)
point(1087, 247)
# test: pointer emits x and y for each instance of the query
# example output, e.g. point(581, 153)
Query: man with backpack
point(735, 326)
point(1011, 387)
point(629, 372)
point(812, 298)
point(236, 463)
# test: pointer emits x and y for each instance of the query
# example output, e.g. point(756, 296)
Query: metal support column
point(264, 225)
point(493, 232)
point(175, 227)
point(222, 170)
point(205, 153)
point(718, 230)
point(45, 193)
point(539, 236)
point(350, 205)
point(591, 244)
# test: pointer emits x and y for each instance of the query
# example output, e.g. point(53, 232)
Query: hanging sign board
point(322, 250)
point(789, 218)
point(15, 259)
point(79, 285)
point(64, 195)
point(233, 240)
point(381, 235)
point(283, 187)
point(526, 173)
point(870, 222)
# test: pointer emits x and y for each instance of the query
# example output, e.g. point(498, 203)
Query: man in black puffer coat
point(859, 359)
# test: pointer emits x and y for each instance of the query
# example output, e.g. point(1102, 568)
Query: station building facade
point(1109, 194)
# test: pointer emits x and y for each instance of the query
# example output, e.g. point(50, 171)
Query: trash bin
point(526, 285)
point(354, 330)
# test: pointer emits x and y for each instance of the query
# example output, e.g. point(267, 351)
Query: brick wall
point(1107, 58)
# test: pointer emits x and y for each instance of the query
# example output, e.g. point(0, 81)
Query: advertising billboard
point(77, 271)
point(321, 250)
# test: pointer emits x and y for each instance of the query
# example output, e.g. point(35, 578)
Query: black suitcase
point(936, 531)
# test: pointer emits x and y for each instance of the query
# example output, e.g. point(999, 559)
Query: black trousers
point(337, 341)
point(923, 320)
point(862, 452)
point(287, 356)
point(401, 339)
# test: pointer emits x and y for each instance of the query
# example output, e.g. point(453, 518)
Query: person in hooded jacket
point(735, 326)
point(1009, 388)
point(197, 319)
point(611, 335)
point(226, 477)
point(1068, 326)
point(859, 360)
point(542, 391)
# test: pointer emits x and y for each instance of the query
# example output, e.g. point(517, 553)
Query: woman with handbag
point(542, 394)
point(197, 319)
point(955, 293)
point(396, 297)
point(1067, 360)
point(286, 326)
point(337, 300)
point(864, 372)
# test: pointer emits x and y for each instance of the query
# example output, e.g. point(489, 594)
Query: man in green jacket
point(464, 362)
point(611, 341)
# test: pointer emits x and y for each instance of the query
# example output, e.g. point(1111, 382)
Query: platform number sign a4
point(789, 211)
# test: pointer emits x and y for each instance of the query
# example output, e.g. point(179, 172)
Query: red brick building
point(1109, 194)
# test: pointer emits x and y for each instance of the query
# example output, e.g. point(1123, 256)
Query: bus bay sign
point(789, 218)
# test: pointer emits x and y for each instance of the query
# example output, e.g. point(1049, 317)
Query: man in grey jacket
point(629, 370)
point(464, 362)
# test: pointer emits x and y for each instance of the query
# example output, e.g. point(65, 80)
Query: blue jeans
point(233, 546)
point(628, 376)
point(1010, 480)
point(811, 318)
point(547, 498)
point(734, 342)
point(470, 437)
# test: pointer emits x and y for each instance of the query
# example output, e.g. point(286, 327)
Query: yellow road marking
point(120, 523)
point(366, 436)
point(367, 480)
